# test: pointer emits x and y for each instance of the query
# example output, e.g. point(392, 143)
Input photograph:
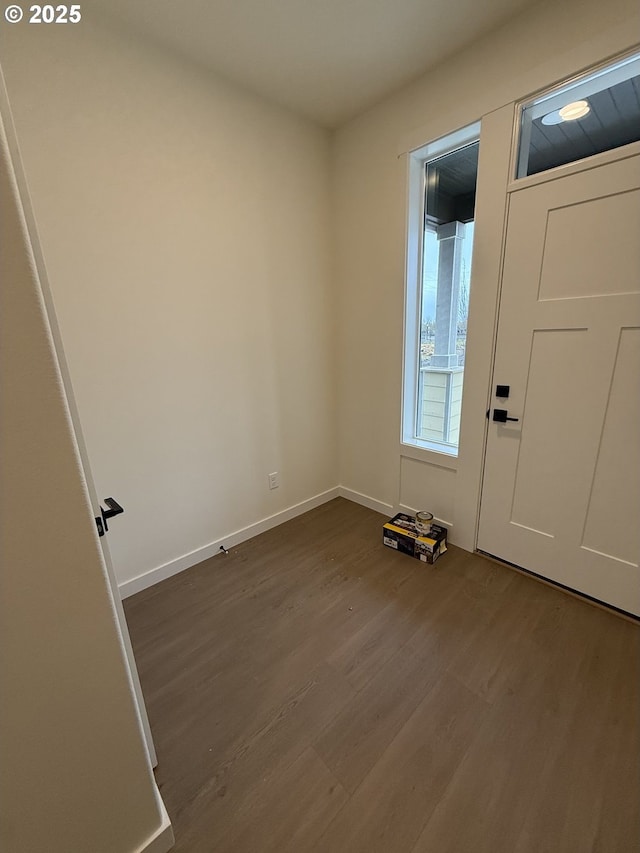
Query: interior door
point(5, 115)
point(561, 489)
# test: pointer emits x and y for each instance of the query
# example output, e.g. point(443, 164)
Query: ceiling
point(328, 60)
point(451, 186)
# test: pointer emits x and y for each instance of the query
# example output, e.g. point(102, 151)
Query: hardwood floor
point(316, 691)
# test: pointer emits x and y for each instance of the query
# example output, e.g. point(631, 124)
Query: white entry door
point(561, 491)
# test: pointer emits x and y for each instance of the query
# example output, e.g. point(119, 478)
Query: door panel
point(620, 519)
point(561, 492)
point(573, 266)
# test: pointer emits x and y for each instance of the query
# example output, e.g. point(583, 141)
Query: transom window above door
point(593, 113)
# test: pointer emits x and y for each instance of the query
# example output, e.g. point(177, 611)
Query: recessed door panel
point(583, 243)
point(612, 526)
point(546, 465)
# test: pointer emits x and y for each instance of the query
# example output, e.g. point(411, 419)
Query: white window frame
point(410, 445)
point(582, 85)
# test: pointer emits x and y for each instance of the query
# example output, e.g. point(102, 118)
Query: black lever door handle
point(501, 416)
point(114, 509)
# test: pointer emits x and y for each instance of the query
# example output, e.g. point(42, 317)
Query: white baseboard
point(167, 570)
point(162, 839)
point(365, 500)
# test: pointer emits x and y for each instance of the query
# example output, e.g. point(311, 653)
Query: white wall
point(75, 775)
point(229, 280)
point(185, 226)
point(546, 44)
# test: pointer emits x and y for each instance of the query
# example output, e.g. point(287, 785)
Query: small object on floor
point(401, 533)
point(223, 549)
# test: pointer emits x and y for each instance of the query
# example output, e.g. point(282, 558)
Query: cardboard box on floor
point(401, 534)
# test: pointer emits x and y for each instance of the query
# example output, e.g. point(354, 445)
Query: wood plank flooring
point(316, 692)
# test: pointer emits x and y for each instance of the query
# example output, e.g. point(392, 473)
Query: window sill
point(439, 458)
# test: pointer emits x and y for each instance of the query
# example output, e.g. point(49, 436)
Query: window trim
point(544, 100)
point(410, 445)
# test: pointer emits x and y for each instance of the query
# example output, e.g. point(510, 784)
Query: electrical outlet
point(274, 480)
